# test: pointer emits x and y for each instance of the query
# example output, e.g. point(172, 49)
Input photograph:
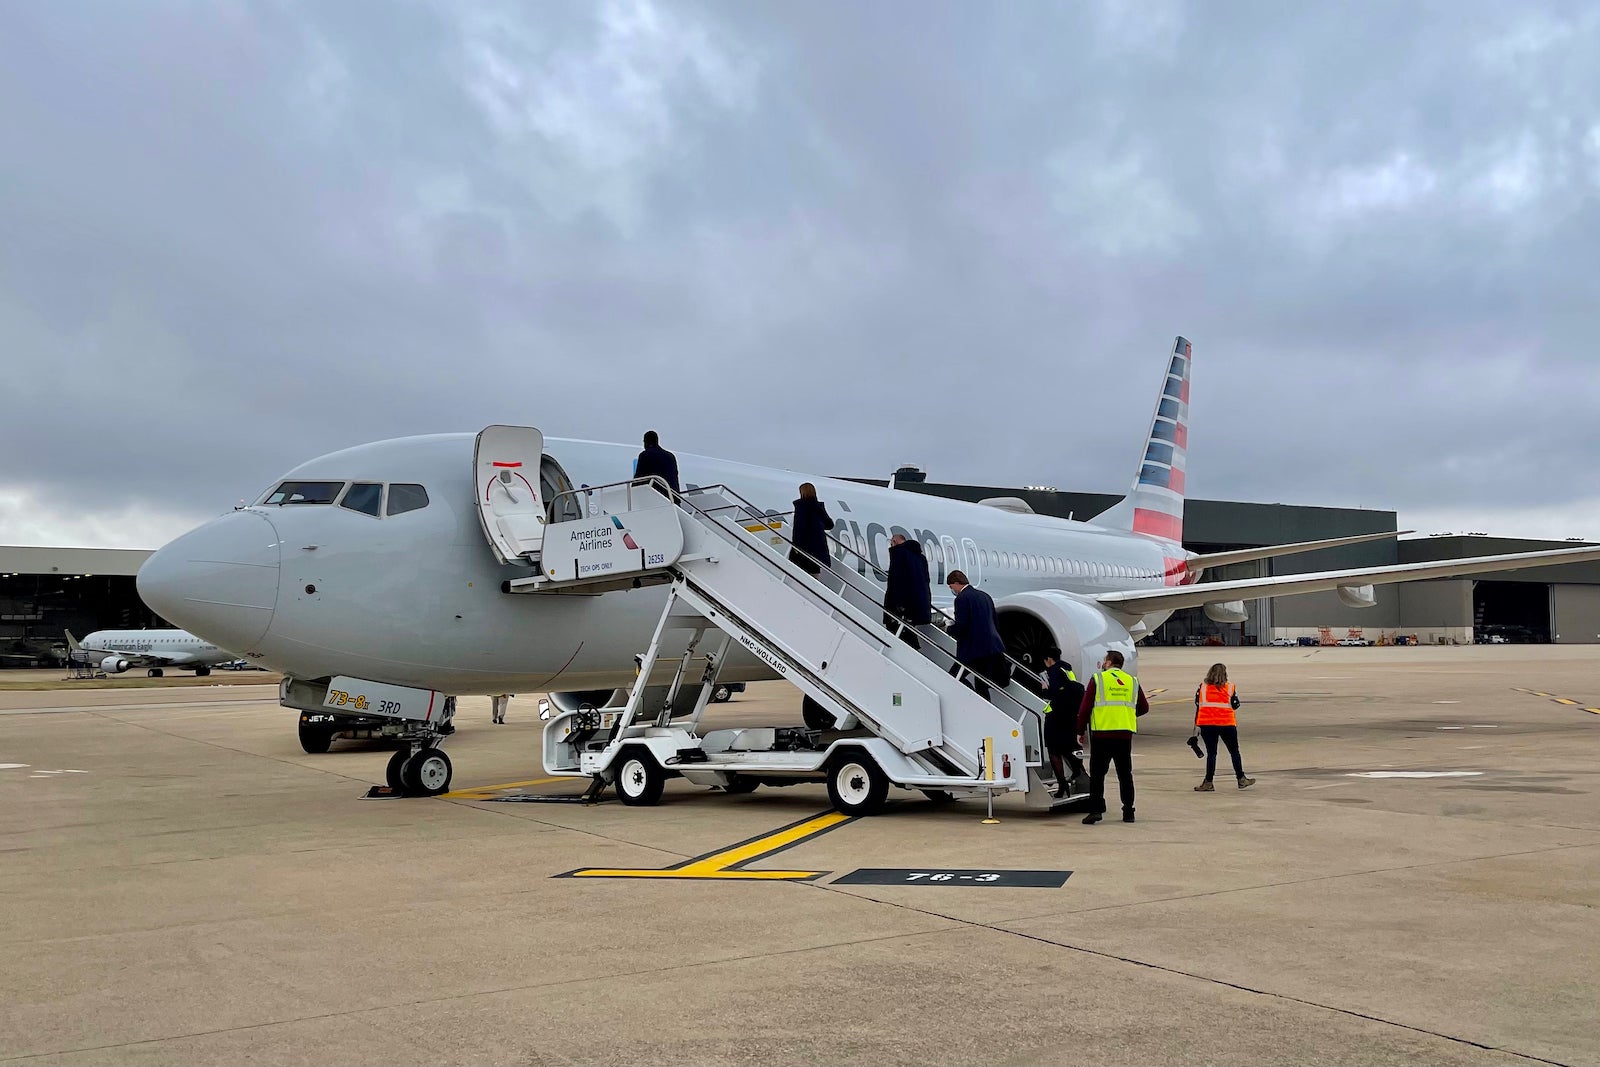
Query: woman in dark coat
point(811, 526)
point(907, 595)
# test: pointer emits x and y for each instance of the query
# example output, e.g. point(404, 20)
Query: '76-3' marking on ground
point(1568, 701)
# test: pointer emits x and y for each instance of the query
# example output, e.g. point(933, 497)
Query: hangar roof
point(24, 559)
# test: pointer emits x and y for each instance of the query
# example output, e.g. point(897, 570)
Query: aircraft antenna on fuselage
point(1154, 505)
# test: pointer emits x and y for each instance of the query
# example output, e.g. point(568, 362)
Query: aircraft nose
point(219, 581)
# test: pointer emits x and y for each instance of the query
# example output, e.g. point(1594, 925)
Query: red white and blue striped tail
point(1154, 506)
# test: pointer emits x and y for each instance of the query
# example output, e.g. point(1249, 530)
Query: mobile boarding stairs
point(880, 712)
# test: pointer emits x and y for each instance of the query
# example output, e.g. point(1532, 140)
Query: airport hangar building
point(45, 591)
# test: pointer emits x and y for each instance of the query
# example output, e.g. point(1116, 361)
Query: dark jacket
point(811, 526)
point(658, 462)
point(974, 629)
point(907, 593)
point(1064, 694)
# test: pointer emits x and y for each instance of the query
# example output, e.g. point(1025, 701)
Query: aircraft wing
point(1246, 555)
point(1148, 601)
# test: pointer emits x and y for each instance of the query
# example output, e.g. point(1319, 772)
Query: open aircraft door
point(506, 461)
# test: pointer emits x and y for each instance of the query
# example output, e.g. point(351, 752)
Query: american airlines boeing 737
point(394, 562)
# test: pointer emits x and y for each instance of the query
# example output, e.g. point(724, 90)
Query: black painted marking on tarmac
point(955, 877)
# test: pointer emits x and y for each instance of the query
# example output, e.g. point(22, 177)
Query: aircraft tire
point(154, 672)
point(856, 785)
point(202, 672)
point(815, 715)
point(721, 695)
point(427, 773)
point(640, 779)
point(315, 739)
point(392, 773)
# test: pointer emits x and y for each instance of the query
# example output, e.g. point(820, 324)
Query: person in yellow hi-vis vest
point(1113, 700)
point(1214, 705)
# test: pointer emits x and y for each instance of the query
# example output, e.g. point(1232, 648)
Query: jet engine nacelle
point(1357, 596)
point(113, 665)
point(1226, 611)
point(1084, 631)
point(588, 698)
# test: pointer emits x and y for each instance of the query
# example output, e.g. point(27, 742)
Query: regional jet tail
point(115, 651)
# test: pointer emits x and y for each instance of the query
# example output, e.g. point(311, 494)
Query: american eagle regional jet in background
point(115, 651)
point(388, 562)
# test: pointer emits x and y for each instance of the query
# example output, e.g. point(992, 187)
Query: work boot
point(1127, 816)
point(1091, 819)
point(1205, 787)
point(1246, 783)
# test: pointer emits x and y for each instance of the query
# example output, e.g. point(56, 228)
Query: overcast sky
point(829, 236)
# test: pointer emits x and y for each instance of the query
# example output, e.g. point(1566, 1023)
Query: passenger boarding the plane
point(811, 525)
point(656, 462)
point(1063, 694)
point(978, 643)
point(907, 597)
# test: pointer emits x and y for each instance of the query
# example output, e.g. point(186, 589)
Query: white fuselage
point(316, 590)
point(174, 648)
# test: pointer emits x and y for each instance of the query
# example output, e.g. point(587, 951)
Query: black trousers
point(995, 668)
point(1228, 735)
point(908, 635)
point(1106, 748)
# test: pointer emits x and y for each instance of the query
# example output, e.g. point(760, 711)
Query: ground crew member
point(1063, 694)
point(499, 707)
point(1214, 705)
point(1113, 700)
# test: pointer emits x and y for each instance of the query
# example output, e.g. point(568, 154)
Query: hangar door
point(1518, 612)
point(1575, 611)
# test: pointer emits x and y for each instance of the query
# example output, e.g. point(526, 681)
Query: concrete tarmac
point(182, 884)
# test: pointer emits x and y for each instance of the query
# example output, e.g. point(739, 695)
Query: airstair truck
point(891, 714)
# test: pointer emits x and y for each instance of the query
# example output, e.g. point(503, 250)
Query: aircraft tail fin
point(1154, 505)
point(72, 642)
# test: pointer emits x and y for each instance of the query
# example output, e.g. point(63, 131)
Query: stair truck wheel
point(391, 774)
point(640, 779)
point(315, 738)
point(856, 785)
point(816, 716)
point(427, 773)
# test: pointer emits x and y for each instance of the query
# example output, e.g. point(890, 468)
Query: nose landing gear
point(420, 767)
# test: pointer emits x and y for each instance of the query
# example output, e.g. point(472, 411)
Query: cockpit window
point(365, 497)
point(406, 496)
point(304, 493)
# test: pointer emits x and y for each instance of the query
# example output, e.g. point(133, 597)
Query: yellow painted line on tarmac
point(1566, 701)
point(728, 863)
point(483, 792)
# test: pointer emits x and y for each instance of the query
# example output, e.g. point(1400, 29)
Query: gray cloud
point(832, 237)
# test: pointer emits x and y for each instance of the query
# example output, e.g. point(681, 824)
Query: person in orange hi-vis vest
point(1214, 705)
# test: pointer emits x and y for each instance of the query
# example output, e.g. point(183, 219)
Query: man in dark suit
point(657, 461)
point(978, 643)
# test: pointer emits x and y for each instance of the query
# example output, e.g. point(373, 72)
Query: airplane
point(391, 562)
point(115, 651)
